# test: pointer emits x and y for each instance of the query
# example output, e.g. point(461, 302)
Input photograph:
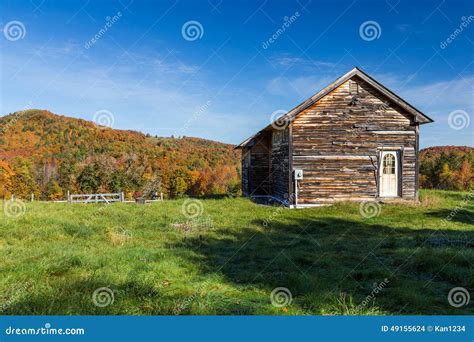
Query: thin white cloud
point(158, 92)
point(287, 60)
point(438, 97)
point(151, 93)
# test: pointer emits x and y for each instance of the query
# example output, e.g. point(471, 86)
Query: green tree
point(179, 183)
point(446, 177)
point(23, 184)
point(88, 179)
point(54, 191)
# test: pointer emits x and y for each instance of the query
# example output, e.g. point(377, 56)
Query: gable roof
point(288, 117)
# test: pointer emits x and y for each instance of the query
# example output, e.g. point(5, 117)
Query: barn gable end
point(354, 140)
point(337, 142)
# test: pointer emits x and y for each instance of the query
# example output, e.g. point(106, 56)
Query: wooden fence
point(99, 198)
point(96, 198)
point(105, 198)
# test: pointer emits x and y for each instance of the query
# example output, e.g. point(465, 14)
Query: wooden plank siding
point(337, 137)
point(266, 165)
point(259, 172)
point(280, 164)
point(337, 141)
point(246, 156)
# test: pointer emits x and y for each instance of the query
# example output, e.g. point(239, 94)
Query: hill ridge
point(48, 154)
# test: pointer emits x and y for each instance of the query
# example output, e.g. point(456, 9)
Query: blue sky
point(224, 83)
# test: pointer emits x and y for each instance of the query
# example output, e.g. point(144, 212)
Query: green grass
point(56, 255)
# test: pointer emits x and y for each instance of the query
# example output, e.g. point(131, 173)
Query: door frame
point(397, 154)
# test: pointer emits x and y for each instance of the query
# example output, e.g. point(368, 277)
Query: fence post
point(122, 198)
point(161, 196)
point(68, 197)
point(32, 197)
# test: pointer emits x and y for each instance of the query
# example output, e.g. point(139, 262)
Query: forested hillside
point(447, 167)
point(48, 154)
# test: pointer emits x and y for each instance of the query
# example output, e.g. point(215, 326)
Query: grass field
point(332, 260)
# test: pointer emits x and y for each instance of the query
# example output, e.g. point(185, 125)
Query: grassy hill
point(48, 154)
point(152, 259)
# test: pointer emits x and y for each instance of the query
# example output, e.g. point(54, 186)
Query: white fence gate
point(96, 198)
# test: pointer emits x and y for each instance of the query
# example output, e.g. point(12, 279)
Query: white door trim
point(392, 190)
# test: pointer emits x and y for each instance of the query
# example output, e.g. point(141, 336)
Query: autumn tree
point(6, 174)
point(464, 176)
point(54, 191)
point(180, 182)
point(76, 156)
point(22, 181)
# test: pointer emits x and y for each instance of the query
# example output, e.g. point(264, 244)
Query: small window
point(353, 88)
point(389, 164)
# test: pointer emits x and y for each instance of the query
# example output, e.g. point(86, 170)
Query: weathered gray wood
point(337, 145)
point(337, 139)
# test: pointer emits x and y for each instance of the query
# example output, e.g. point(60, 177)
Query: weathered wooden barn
point(355, 140)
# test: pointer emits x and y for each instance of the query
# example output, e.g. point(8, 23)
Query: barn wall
point(245, 171)
point(280, 165)
point(337, 143)
point(259, 170)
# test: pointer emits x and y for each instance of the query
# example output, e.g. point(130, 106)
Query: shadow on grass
point(76, 298)
point(130, 297)
point(457, 214)
point(216, 196)
point(331, 265)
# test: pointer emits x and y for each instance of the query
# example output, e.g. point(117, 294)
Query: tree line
point(47, 155)
point(447, 168)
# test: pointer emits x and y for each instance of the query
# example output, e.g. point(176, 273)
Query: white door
point(389, 175)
